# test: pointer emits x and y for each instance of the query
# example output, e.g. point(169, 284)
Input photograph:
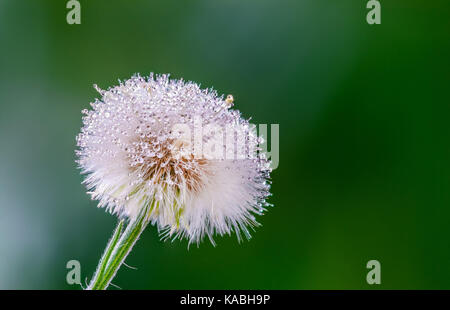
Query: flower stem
point(118, 248)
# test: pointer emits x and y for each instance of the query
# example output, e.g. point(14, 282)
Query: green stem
point(107, 253)
point(117, 250)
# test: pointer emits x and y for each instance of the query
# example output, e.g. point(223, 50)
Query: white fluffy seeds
point(134, 156)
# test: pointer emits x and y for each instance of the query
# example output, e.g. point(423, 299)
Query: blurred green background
point(364, 138)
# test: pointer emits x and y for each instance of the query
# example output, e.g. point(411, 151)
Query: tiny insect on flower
point(230, 100)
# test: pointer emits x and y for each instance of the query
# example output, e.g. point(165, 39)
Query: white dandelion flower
point(134, 157)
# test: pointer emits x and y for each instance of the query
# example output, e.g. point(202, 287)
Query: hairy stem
point(117, 250)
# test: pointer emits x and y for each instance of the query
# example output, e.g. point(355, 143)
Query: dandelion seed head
point(133, 155)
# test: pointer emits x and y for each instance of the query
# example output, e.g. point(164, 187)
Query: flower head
point(177, 150)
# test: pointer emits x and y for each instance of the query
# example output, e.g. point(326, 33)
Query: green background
point(363, 110)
